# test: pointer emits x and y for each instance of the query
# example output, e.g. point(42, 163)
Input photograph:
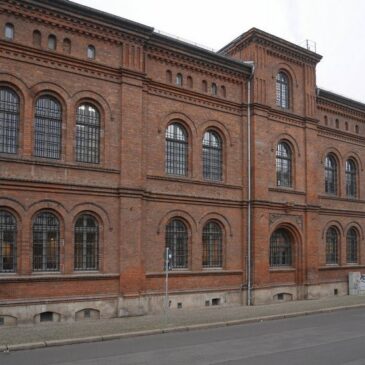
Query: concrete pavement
point(57, 334)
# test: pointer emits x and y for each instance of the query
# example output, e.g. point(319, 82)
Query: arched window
point(331, 246)
point(330, 175)
point(37, 38)
point(9, 120)
point(176, 159)
point(9, 31)
point(177, 242)
point(280, 248)
point(282, 90)
point(212, 156)
point(214, 89)
point(337, 122)
point(204, 86)
point(212, 245)
point(91, 52)
point(86, 243)
point(357, 129)
point(351, 177)
point(66, 45)
point(283, 165)
point(48, 128)
point(52, 42)
point(169, 76)
point(46, 242)
point(190, 82)
point(352, 246)
point(179, 80)
point(223, 91)
point(8, 232)
point(87, 134)
point(347, 126)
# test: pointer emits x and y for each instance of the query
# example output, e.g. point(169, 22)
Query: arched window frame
point(88, 127)
point(331, 174)
point(177, 240)
point(91, 52)
point(281, 248)
point(86, 243)
point(37, 38)
point(284, 165)
point(46, 241)
point(332, 246)
point(169, 76)
point(9, 120)
point(8, 242)
point(283, 90)
point(176, 150)
point(352, 246)
point(189, 82)
point(212, 238)
point(212, 156)
point(351, 178)
point(214, 89)
point(9, 31)
point(52, 42)
point(48, 127)
point(179, 79)
point(66, 45)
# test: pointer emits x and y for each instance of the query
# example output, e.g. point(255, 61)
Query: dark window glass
point(9, 31)
point(177, 242)
point(7, 242)
point(330, 175)
point(282, 90)
point(283, 165)
point(212, 245)
point(176, 159)
point(212, 156)
point(280, 249)
point(351, 246)
point(86, 243)
point(48, 125)
point(91, 52)
point(351, 176)
point(9, 120)
point(87, 134)
point(223, 91)
point(331, 246)
point(46, 242)
point(52, 42)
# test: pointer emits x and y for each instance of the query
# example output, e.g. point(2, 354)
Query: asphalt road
point(332, 338)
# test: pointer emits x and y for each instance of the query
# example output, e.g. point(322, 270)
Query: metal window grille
point(9, 31)
point(282, 90)
point(8, 232)
point(280, 249)
point(46, 243)
point(330, 178)
point(351, 175)
point(331, 246)
point(283, 165)
point(351, 246)
point(87, 134)
point(212, 156)
point(212, 245)
point(9, 121)
point(176, 159)
point(48, 128)
point(86, 243)
point(177, 242)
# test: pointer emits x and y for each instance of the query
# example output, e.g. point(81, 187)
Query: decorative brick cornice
point(340, 135)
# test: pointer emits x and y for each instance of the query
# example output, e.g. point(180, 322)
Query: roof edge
point(340, 99)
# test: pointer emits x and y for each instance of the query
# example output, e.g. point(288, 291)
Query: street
point(332, 338)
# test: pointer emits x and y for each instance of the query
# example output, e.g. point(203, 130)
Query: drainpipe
point(249, 208)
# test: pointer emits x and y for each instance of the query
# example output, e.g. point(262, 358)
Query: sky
point(336, 26)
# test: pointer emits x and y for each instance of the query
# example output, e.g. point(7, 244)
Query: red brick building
point(117, 141)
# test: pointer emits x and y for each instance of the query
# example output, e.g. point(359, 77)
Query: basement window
point(46, 317)
point(216, 301)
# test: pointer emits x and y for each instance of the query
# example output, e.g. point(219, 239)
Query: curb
point(193, 327)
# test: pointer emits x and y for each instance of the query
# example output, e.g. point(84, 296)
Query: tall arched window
point(9, 120)
point(8, 232)
point(37, 38)
point(177, 242)
point(214, 89)
point(223, 91)
point(282, 90)
point(212, 156)
point(169, 76)
point(91, 52)
point(48, 127)
point(176, 159)
point(331, 246)
point(87, 134)
point(52, 42)
point(283, 165)
point(9, 31)
point(86, 243)
point(204, 86)
point(46, 242)
point(179, 80)
point(352, 246)
point(280, 248)
point(189, 80)
point(66, 45)
point(351, 177)
point(330, 175)
point(212, 245)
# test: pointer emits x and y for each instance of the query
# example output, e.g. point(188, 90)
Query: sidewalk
point(56, 334)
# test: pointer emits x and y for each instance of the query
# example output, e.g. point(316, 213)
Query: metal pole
point(166, 282)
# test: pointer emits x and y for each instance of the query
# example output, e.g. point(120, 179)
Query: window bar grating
point(331, 246)
point(351, 247)
point(330, 175)
point(212, 245)
point(212, 156)
point(176, 160)
point(351, 175)
point(177, 242)
point(280, 249)
point(8, 232)
point(283, 165)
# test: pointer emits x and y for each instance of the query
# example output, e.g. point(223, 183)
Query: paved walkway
point(42, 335)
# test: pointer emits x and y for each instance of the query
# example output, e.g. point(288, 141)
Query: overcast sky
point(337, 27)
